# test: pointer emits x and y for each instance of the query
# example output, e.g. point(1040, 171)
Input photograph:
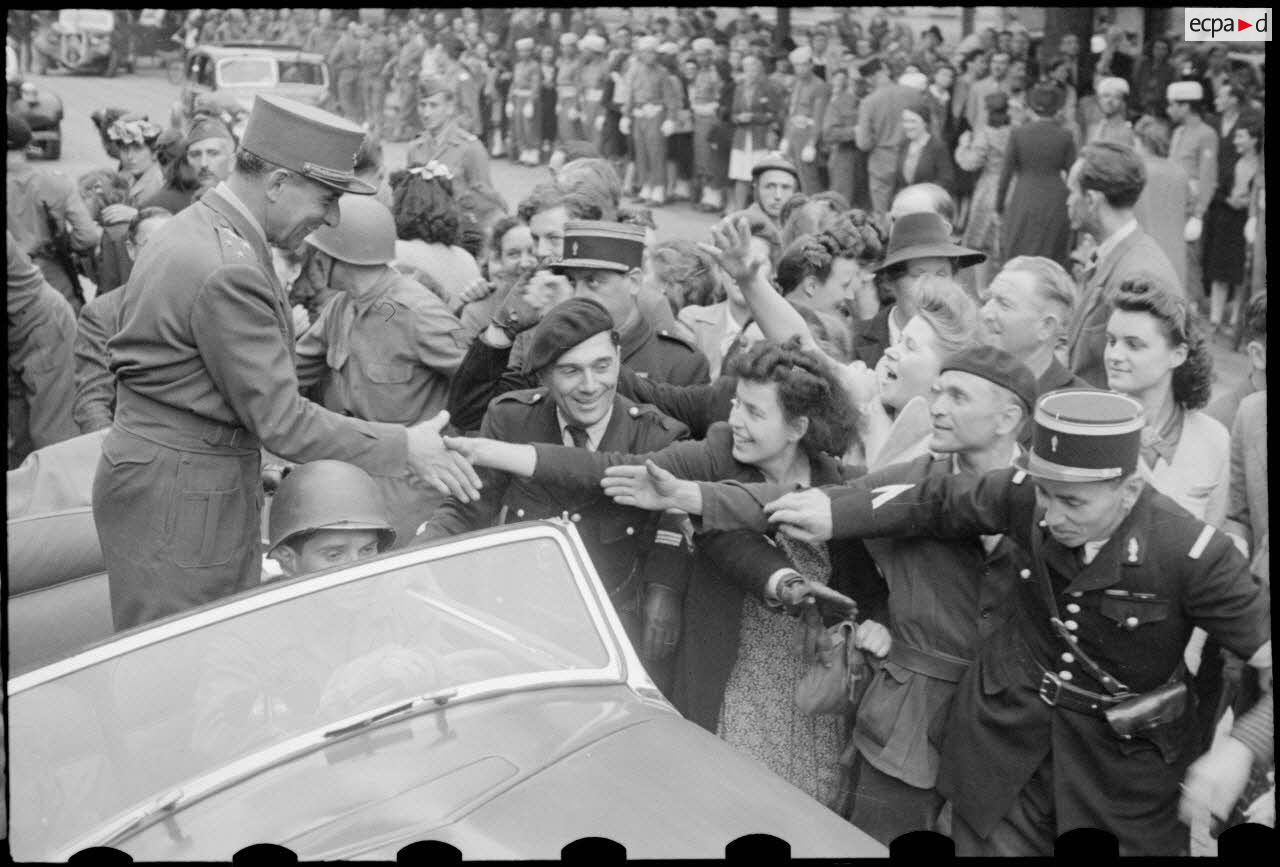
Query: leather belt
point(931, 664)
point(178, 428)
point(1056, 692)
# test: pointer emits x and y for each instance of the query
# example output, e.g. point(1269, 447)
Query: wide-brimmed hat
point(925, 235)
point(314, 143)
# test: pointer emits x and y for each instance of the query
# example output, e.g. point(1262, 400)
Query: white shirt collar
point(235, 202)
point(1091, 549)
point(595, 432)
point(1114, 241)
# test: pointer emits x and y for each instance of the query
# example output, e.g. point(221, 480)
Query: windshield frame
point(223, 62)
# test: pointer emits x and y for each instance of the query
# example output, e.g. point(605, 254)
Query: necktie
point(578, 435)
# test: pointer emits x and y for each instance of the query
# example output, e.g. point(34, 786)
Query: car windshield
point(256, 71)
point(103, 734)
point(301, 72)
point(86, 19)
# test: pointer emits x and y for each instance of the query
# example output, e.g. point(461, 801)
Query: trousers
point(349, 95)
point(886, 807)
point(651, 150)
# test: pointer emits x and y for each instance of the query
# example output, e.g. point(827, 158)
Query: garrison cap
point(1184, 91)
point(207, 127)
point(773, 161)
point(19, 132)
point(310, 141)
point(564, 327)
point(1084, 435)
point(1111, 82)
point(524, 44)
point(429, 85)
point(593, 42)
point(998, 367)
point(568, 39)
point(602, 244)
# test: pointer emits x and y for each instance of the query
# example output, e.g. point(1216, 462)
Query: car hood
point(513, 776)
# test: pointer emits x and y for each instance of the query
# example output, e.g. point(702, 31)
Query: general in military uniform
point(444, 141)
point(807, 104)
point(575, 353)
point(1076, 712)
point(205, 368)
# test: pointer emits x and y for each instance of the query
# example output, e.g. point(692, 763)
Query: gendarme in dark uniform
point(1028, 753)
point(205, 369)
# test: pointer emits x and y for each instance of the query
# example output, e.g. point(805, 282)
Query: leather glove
point(808, 153)
point(661, 622)
point(668, 127)
point(528, 111)
point(795, 591)
point(624, 126)
point(1191, 233)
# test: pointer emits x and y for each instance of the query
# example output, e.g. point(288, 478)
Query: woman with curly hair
point(1157, 353)
point(790, 421)
point(428, 230)
point(831, 271)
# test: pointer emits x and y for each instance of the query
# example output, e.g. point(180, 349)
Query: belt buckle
point(1050, 689)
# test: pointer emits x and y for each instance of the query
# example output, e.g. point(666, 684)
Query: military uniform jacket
point(207, 329)
point(458, 149)
point(526, 78)
point(653, 85)
point(1194, 146)
point(807, 104)
point(1133, 608)
point(29, 193)
point(616, 536)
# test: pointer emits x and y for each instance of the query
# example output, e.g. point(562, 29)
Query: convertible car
point(479, 691)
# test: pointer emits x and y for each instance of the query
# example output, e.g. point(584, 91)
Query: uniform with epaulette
point(205, 371)
point(620, 539)
point(463, 154)
point(1076, 712)
point(807, 104)
point(569, 90)
point(593, 74)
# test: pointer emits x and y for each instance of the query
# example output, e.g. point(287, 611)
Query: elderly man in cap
point(1075, 712)
point(806, 106)
point(1114, 125)
point(774, 180)
point(653, 99)
point(46, 215)
point(879, 130)
point(1194, 147)
point(576, 356)
point(593, 73)
point(522, 102)
point(568, 90)
point(707, 101)
point(205, 370)
point(444, 141)
point(206, 162)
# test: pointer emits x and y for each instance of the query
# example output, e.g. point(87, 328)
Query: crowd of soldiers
point(1050, 544)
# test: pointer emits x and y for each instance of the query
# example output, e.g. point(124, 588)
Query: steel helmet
point(327, 495)
point(365, 234)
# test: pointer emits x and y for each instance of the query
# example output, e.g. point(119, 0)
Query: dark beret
point(564, 327)
point(19, 133)
point(997, 366)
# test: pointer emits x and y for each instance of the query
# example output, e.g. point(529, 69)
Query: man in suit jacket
point(879, 130)
point(1102, 189)
point(205, 372)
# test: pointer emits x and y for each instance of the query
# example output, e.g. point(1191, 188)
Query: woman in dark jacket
point(736, 671)
point(922, 156)
point(1040, 155)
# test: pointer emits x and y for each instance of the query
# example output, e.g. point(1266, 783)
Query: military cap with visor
point(602, 245)
point(1084, 435)
point(312, 142)
point(564, 327)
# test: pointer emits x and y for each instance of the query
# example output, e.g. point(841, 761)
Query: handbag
point(837, 675)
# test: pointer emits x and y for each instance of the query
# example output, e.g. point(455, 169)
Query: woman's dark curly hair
point(807, 388)
point(853, 235)
point(1180, 324)
point(425, 209)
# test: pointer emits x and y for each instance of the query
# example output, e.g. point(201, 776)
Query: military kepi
point(307, 140)
point(1085, 435)
point(603, 245)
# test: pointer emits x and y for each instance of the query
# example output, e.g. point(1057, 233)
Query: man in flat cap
point(1075, 712)
point(653, 99)
point(205, 162)
point(522, 102)
point(443, 140)
point(1194, 146)
point(575, 358)
point(807, 104)
point(205, 372)
point(1114, 125)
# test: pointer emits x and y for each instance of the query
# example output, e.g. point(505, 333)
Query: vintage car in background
point(479, 691)
point(96, 41)
point(228, 76)
point(41, 108)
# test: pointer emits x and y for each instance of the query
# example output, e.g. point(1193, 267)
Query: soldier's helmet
point(327, 495)
point(365, 234)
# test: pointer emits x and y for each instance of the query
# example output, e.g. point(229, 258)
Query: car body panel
point(222, 73)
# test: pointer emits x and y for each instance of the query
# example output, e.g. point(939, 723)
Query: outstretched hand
point(803, 515)
point(731, 248)
point(447, 471)
point(648, 487)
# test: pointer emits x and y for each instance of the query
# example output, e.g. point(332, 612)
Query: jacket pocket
point(883, 702)
point(1131, 612)
point(123, 450)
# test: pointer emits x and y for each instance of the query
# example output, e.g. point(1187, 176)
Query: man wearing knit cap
point(205, 372)
point(575, 358)
point(1114, 126)
point(653, 99)
point(1194, 146)
point(205, 163)
point(569, 90)
point(522, 102)
point(806, 106)
point(593, 74)
point(1075, 712)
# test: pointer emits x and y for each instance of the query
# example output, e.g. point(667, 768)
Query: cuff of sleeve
point(1256, 730)
point(771, 586)
point(850, 512)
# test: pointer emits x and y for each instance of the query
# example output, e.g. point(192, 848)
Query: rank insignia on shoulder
point(1133, 550)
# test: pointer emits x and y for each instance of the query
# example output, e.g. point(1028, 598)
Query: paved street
point(149, 91)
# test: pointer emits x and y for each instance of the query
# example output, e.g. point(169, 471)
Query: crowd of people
point(942, 372)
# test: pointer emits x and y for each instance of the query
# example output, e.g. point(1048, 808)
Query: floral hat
point(432, 171)
point(134, 130)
